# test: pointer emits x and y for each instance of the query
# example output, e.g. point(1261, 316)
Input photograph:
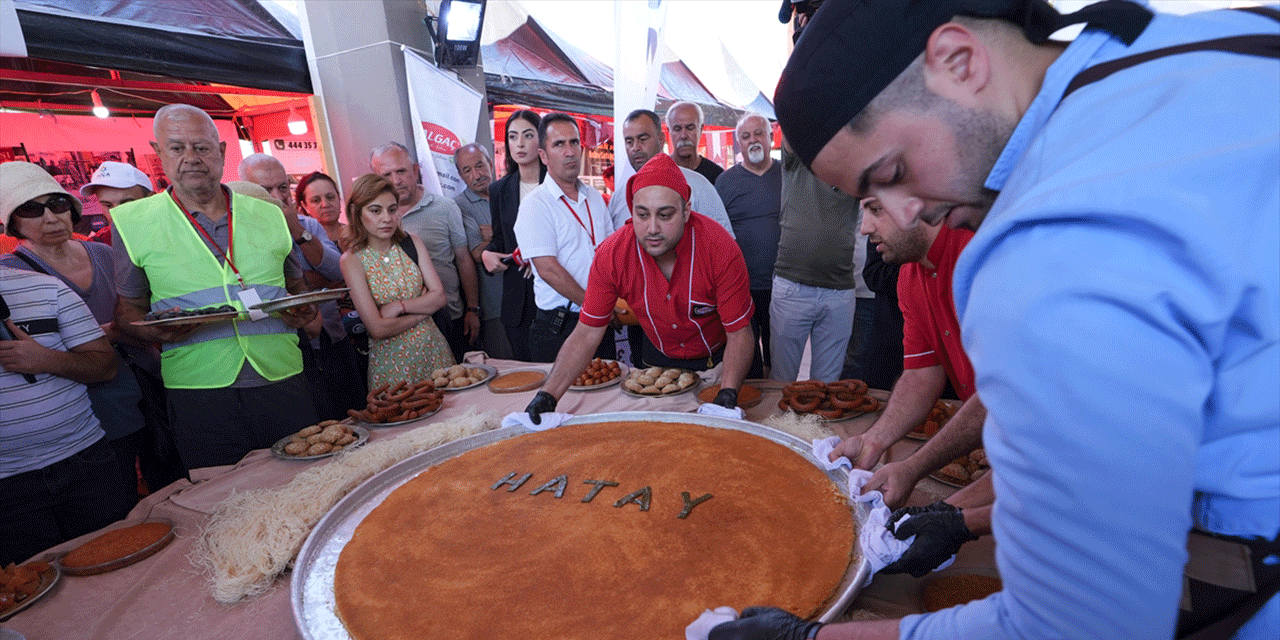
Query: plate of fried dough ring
point(391, 406)
point(831, 401)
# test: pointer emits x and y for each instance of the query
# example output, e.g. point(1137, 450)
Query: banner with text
point(444, 112)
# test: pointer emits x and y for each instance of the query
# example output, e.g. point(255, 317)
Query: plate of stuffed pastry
point(655, 382)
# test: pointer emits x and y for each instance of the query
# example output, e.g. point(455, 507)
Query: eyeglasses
point(57, 203)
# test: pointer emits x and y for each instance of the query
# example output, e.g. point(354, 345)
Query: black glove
point(541, 403)
point(765, 623)
point(727, 398)
point(939, 530)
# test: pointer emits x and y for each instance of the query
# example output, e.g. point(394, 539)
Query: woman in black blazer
point(524, 172)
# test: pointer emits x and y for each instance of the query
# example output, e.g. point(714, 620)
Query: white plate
point(490, 369)
point(47, 580)
point(361, 433)
point(693, 387)
point(622, 375)
point(402, 422)
point(310, 297)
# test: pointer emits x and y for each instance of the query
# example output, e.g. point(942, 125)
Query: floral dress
point(413, 354)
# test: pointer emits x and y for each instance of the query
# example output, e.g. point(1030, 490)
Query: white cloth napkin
point(702, 626)
point(521, 419)
point(879, 546)
point(712, 409)
point(711, 377)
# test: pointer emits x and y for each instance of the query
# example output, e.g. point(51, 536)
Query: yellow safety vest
point(184, 273)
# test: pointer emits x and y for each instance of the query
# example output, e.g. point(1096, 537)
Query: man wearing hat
point(684, 278)
point(115, 183)
point(1133, 427)
point(59, 477)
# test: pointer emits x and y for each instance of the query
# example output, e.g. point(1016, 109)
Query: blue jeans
point(800, 313)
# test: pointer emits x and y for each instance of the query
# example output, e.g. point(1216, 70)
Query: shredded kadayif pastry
point(807, 427)
point(255, 535)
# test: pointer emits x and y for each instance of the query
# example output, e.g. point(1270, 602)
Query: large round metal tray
point(312, 598)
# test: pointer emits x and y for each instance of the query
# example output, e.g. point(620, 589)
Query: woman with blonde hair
point(394, 287)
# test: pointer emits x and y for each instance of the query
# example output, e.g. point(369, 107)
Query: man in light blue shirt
point(1120, 302)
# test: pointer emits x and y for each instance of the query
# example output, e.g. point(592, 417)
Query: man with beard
point(686, 281)
point(476, 170)
point(684, 121)
point(1132, 429)
point(752, 195)
point(642, 134)
point(932, 355)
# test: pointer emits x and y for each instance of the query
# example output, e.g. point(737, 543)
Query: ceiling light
point(297, 126)
point(98, 109)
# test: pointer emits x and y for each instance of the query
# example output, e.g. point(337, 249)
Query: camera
point(804, 8)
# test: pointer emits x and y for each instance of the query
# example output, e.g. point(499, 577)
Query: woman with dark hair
point(525, 172)
point(394, 293)
point(317, 196)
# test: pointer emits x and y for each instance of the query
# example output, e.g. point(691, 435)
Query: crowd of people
point(1083, 298)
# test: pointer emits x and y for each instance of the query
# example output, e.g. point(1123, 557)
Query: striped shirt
point(49, 420)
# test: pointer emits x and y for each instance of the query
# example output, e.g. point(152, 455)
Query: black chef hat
point(852, 49)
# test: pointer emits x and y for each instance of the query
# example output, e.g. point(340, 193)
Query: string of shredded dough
point(807, 427)
point(253, 536)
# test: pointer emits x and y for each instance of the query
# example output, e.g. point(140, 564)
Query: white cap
point(119, 175)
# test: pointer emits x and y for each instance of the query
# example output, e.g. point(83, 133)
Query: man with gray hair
point(233, 382)
point(475, 167)
point(752, 195)
point(314, 253)
point(642, 135)
point(438, 221)
point(684, 121)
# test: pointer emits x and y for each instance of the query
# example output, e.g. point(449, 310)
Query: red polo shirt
point(930, 329)
point(687, 317)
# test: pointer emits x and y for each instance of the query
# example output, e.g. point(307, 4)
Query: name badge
point(250, 297)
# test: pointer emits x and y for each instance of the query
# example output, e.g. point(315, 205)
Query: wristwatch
point(304, 238)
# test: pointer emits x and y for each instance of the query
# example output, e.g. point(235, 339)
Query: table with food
point(427, 486)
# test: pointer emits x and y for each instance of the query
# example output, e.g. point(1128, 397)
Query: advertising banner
point(445, 112)
point(637, 70)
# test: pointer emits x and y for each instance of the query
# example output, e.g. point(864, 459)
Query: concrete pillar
point(358, 76)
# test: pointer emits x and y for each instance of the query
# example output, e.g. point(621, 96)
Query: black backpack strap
point(1261, 45)
point(35, 266)
point(406, 244)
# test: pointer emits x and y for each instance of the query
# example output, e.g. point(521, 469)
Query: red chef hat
point(659, 170)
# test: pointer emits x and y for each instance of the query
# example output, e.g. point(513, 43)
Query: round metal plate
point(311, 592)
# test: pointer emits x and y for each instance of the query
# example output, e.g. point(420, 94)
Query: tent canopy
point(238, 42)
point(525, 63)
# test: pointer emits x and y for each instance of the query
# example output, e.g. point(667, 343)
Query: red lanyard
point(592, 230)
point(226, 255)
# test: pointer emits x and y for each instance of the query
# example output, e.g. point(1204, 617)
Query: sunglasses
point(57, 203)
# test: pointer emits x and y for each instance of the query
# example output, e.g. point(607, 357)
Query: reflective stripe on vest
point(183, 272)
